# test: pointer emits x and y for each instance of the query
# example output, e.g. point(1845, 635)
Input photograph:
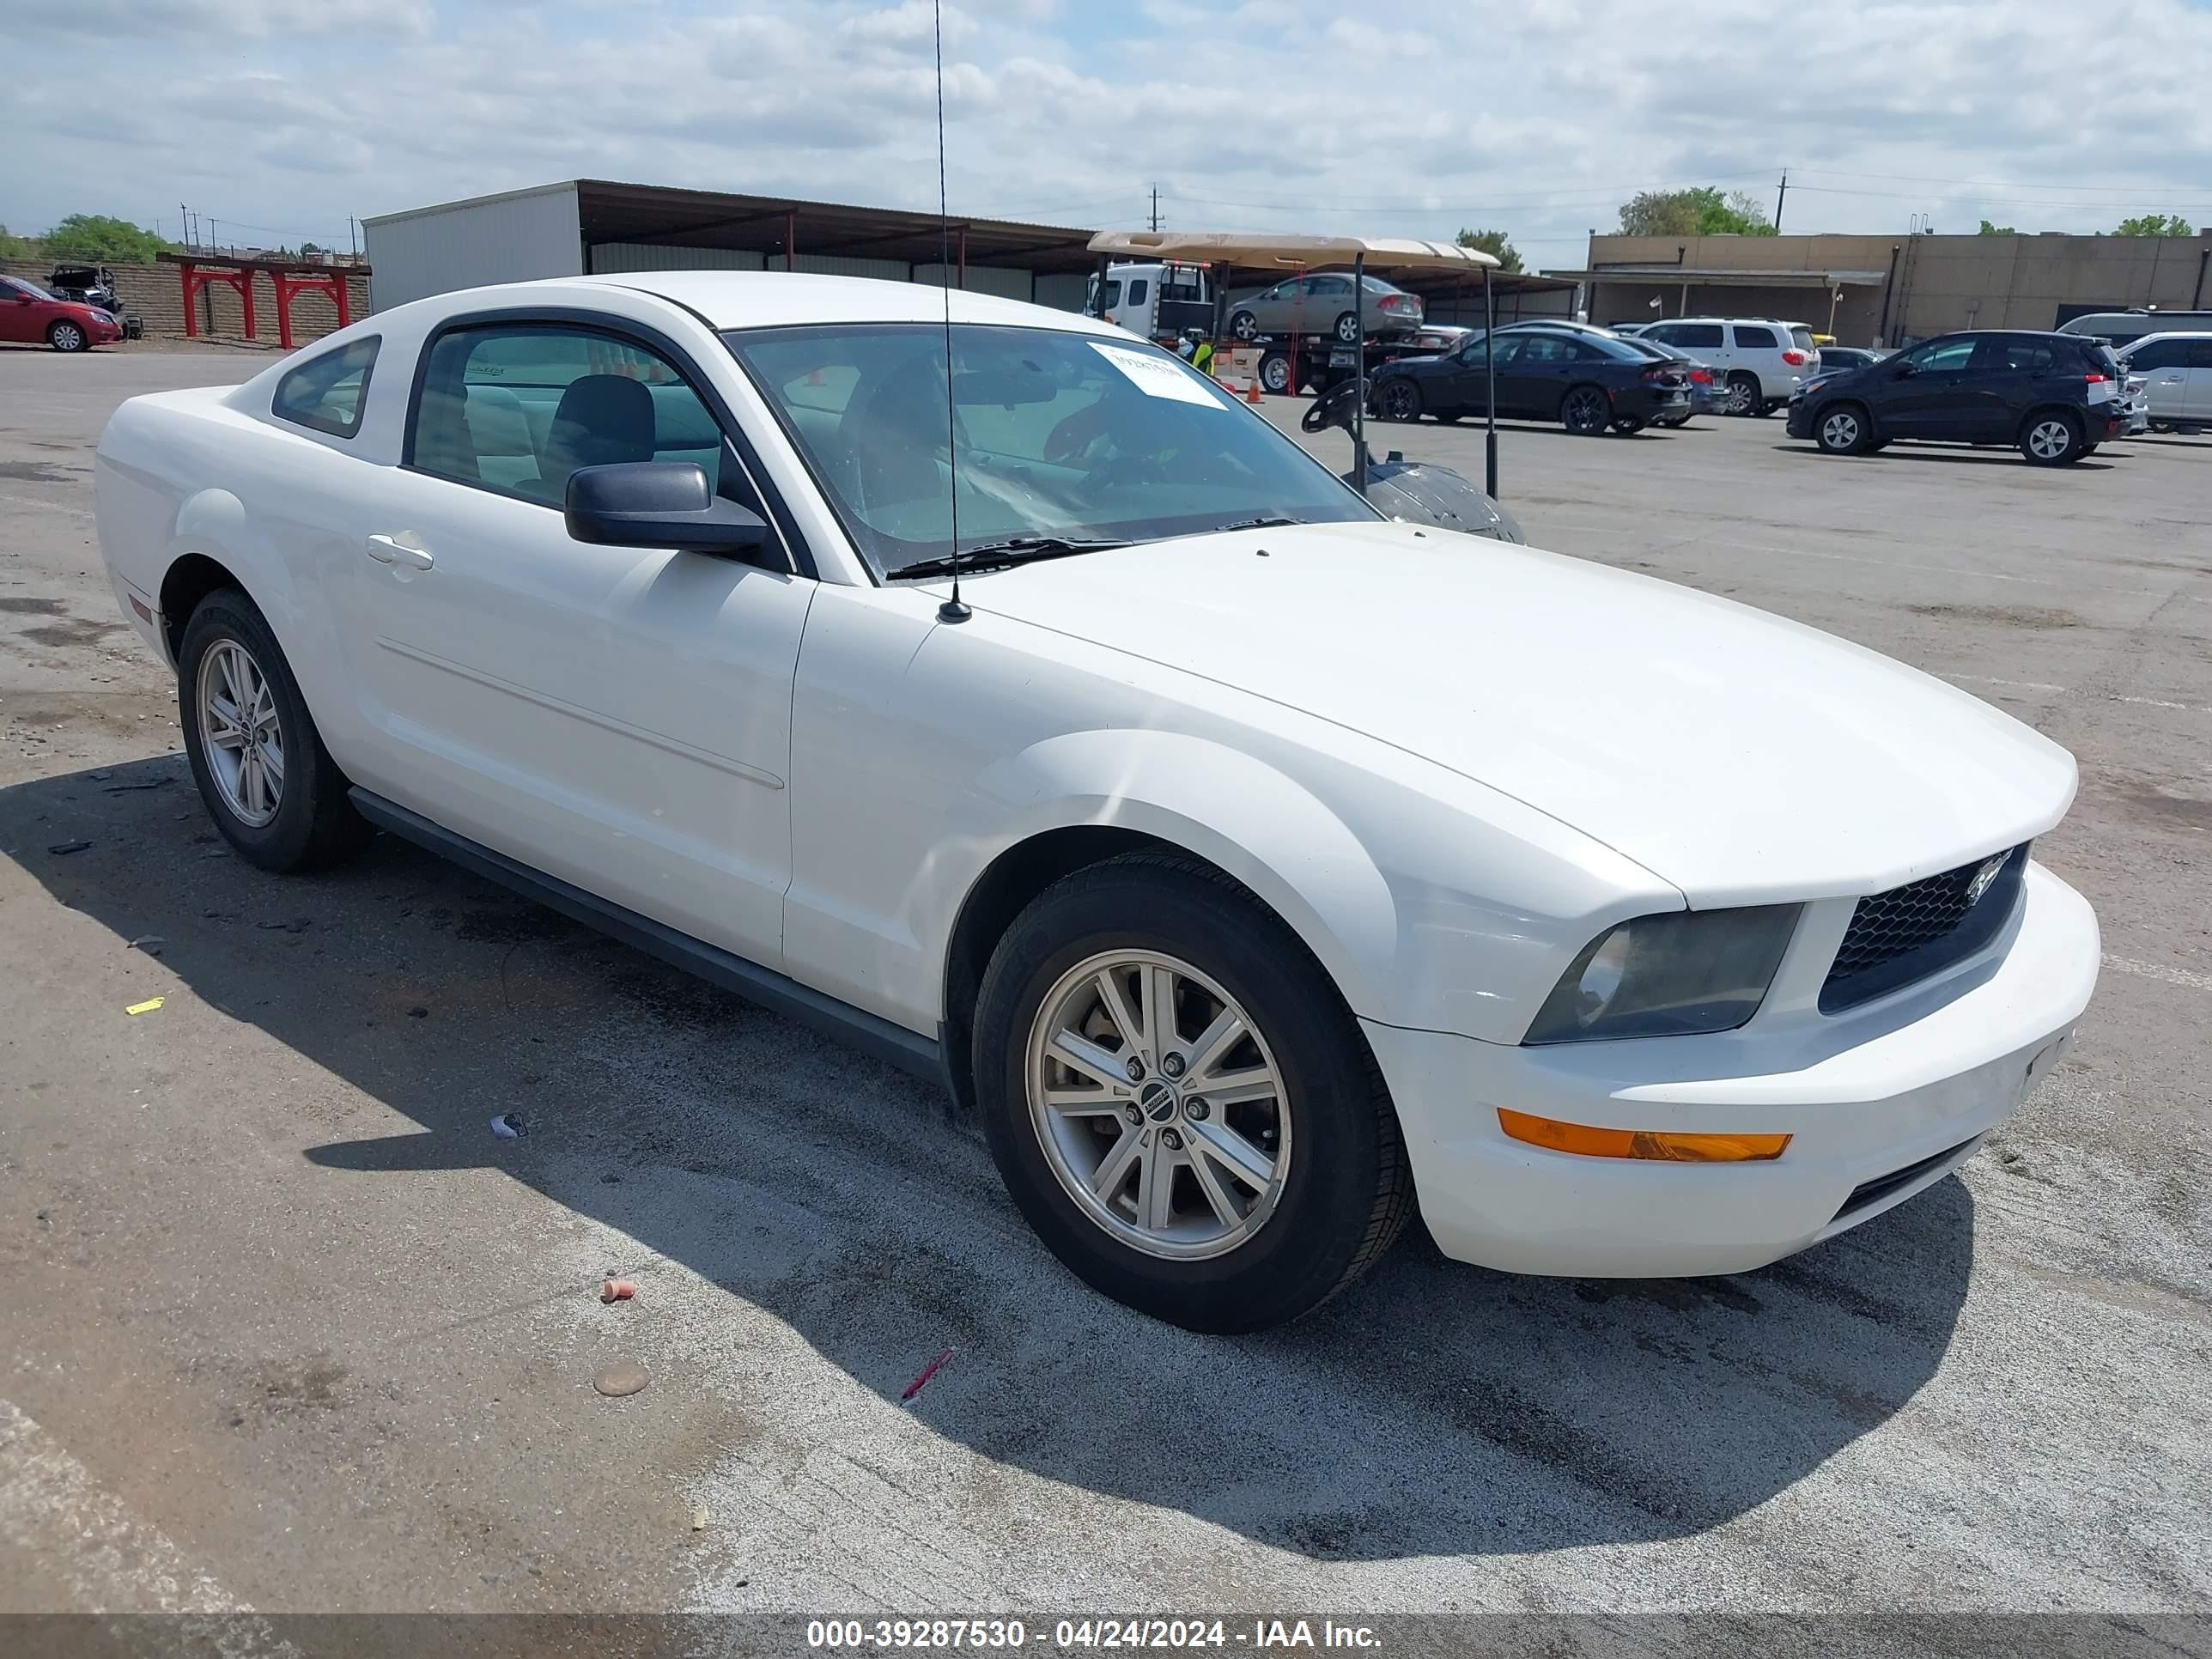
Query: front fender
point(1229, 808)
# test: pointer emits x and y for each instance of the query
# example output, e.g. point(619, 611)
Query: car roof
point(2191, 334)
point(779, 299)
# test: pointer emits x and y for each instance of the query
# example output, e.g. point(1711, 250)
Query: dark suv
point(2056, 396)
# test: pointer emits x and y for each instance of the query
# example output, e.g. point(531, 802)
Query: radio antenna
point(953, 610)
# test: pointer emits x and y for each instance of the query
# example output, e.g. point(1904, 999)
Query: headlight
point(1674, 975)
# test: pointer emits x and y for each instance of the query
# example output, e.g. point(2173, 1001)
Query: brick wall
point(157, 294)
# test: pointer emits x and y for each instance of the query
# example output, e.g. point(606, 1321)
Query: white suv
point(1758, 361)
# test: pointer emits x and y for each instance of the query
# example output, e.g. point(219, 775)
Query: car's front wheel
point(2050, 438)
point(65, 335)
point(273, 789)
point(1398, 400)
point(1244, 326)
point(1843, 430)
point(1179, 1101)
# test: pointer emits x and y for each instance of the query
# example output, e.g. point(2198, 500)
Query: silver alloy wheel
point(1743, 396)
point(1840, 431)
point(1244, 326)
point(2049, 438)
point(240, 735)
point(1157, 1105)
point(1347, 328)
point(1275, 373)
point(67, 337)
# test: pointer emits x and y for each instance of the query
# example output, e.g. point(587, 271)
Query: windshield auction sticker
point(1155, 377)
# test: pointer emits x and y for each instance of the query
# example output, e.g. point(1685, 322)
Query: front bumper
point(1864, 1095)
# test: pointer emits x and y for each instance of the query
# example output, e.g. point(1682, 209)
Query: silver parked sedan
point(1322, 304)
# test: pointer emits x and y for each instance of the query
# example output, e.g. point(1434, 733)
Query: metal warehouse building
point(589, 226)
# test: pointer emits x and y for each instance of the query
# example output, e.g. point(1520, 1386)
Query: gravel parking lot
point(289, 1328)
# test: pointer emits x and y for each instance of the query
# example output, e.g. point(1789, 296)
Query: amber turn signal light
point(1661, 1144)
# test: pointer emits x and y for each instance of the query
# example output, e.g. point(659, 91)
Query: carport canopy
point(1251, 250)
point(1666, 275)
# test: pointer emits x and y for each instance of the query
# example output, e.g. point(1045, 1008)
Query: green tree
point(305, 248)
point(2155, 224)
point(1699, 212)
point(1989, 229)
point(97, 239)
point(1493, 243)
point(13, 247)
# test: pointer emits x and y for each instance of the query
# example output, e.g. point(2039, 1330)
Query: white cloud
point(1317, 114)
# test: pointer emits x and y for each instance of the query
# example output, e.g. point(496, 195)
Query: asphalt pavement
point(289, 1328)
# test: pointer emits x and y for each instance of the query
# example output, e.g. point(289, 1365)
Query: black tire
point(314, 823)
point(1586, 411)
point(2051, 437)
point(1398, 400)
point(1843, 429)
point(1244, 324)
point(1347, 328)
point(66, 336)
point(1743, 394)
point(1275, 372)
point(1348, 1190)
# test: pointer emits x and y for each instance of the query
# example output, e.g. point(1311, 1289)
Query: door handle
point(386, 550)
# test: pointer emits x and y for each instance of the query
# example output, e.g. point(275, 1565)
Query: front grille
point(1868, 1194)
point(1918, 929)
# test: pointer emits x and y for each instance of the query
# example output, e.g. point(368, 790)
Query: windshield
point(1062, 435)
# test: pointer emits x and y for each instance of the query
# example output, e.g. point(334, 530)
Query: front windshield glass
point(1062, 435)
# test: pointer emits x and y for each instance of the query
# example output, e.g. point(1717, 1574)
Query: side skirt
point(908, 1050)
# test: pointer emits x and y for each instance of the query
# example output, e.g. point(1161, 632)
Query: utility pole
point(185, 224)
point(1779, 196)
point(353, 234)
point(1156, 207)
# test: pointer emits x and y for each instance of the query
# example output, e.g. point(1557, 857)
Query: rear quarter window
point(1802, 338)
point(1749, 339)
point(328, 393)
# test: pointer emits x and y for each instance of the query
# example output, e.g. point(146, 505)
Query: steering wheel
point(1332, 408)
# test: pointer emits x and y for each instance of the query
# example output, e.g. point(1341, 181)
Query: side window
point(1113, 293)
point(1331, 286)
point(2200, 353)
point(1693, 336)
point(517, 407)
point(1940, 356)
point(327, 393)
point(1139, 288)
point(1749, 337)
point(2159, 354)
point(1546, 348)
point(2027, 357)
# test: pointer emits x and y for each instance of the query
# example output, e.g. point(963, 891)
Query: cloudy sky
point(276, 119)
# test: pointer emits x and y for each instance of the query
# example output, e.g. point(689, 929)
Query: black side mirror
point(658, 504)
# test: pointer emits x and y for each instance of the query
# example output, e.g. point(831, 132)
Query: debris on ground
point(618, 1381)
point(125, 788)
point(927, 1372)
point(616, 1289)
point(700, 1516)
point(418, 1011)
point(509, 1125)
point(297, 925)
point(151, 944)
point(147, 1007)
point(63, 848)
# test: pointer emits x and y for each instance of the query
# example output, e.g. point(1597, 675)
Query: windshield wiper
point(1266, 522)
point(1014, 550)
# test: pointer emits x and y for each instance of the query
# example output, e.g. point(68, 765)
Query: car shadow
point(1432, 1409)
point(1955, 454)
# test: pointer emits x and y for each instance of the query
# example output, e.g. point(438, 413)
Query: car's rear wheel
point(1347, 328)
point(1586, 411)
point(1180, 1102)
point(65, 335)
point(273, 789)
point(1398, 400)
point(1843, 430)
point(1275, 372)
point(2051, 437)
point(1743, 394)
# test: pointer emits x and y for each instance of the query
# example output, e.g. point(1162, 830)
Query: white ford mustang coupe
point(1258, 870)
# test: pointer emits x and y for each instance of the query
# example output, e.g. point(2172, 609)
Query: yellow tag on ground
point(145, 1007)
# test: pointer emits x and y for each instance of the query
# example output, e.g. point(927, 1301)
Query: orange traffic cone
point(1252, 390)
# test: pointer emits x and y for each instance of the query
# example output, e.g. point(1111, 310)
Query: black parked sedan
point(2056, 396)
point(1592, 382)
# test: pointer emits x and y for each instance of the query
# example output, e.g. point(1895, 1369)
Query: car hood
point(1741, 757)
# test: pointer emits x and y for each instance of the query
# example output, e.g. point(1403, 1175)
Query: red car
point(29, 314)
